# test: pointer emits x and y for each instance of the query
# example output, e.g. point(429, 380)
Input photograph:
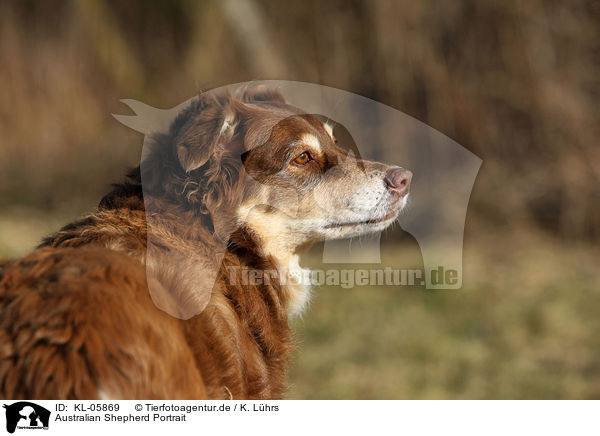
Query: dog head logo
point(213, 141)
point(26, 415)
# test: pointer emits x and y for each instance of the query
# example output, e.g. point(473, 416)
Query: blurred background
point(516, 83)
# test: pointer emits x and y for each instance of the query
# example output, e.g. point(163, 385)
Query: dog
point(245, 171)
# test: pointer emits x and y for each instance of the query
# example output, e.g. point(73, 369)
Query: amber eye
point(303, 158)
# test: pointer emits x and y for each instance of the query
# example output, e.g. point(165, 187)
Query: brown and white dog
point(249, 173)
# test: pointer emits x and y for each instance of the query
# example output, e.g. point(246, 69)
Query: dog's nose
point(398, 180)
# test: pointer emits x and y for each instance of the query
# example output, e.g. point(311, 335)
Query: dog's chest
point(298, 287)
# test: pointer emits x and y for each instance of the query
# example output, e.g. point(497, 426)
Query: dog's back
point(78, 322)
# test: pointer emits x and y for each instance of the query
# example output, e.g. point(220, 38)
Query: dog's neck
point(299, 292)
point(273, 252)
point(277, 247)
point(297, 279)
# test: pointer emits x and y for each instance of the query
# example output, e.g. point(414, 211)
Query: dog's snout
point(398, 180)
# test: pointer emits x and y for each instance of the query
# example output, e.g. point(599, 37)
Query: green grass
point(523, 327)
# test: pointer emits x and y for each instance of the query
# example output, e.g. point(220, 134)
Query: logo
point(26, 415)
point(444, 171)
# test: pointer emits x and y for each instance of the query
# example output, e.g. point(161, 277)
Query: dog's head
point(253, 160)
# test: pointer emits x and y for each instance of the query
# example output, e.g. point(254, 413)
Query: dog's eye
point(303, 159)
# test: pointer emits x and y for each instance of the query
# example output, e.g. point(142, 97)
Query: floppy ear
point(204, 132)
point(205, 127)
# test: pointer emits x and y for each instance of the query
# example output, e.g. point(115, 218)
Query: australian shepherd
point(244, 175)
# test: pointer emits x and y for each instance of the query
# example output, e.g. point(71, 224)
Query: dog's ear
point(205, 128)
point(204, 132)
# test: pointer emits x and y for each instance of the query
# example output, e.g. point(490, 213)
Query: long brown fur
point(77, 320)
point(124, 303)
